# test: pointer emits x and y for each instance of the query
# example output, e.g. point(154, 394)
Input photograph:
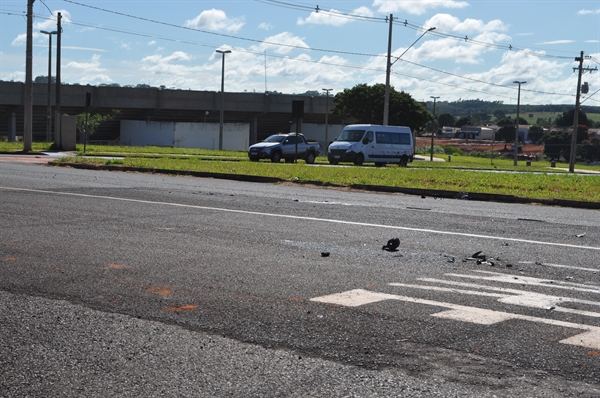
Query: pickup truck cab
point(283, 146)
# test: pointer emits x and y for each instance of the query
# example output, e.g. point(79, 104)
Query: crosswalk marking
point(587, 336)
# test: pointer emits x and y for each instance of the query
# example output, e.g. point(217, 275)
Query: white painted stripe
point(505, 290)
point(530, 281)
point(590, 336)
point(521, 298)
point(394, 227)
point(561, 266)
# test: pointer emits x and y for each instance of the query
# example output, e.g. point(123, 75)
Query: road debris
point(580, 235)
point(325, 254)
point(392, 245)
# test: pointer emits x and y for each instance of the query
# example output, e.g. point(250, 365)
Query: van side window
point(404, 138)
point(369, 136)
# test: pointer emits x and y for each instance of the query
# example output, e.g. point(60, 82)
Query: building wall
point(184, 135)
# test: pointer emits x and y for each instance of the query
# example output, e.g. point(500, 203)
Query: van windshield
point(351, 135)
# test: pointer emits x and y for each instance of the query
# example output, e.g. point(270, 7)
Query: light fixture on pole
point(432, 128)
point(518, 116)
point(386, 101)
point(327, 90)
point(49, 111)
point(222, 52)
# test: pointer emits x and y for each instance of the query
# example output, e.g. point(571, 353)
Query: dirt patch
point(468, 146)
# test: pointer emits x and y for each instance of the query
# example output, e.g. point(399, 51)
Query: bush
point(450, 150)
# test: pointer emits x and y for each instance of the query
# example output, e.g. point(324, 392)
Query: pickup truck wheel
point(276, 157)
point(310, 158)
point(360, 159)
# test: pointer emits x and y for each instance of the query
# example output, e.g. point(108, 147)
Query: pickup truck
point(283, 146)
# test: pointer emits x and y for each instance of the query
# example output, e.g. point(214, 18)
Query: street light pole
point(222, 52)
point(49, 111)
point(432, 128)
point(518, 116)
point(327, 90)
point(388, 71)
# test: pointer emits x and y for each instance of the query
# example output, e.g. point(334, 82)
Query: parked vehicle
point(285, 146)
point(359, 143)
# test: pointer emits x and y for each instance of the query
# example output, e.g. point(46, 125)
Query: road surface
point(118, 284)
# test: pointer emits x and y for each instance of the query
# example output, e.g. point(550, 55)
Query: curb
point(441, 194)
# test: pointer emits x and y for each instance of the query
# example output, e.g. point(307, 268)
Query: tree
point(568, 118)
point(535, 133)
point(94, 121)
point(463, 121)
point(446, 119)
point(364, 104)
point(589, 151)
point(557, 143)
point(506, 133)
point(499, 114)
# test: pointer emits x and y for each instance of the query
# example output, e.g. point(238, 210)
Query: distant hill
point(471, 107)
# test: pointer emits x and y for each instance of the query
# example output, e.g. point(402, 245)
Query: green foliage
point(446, 119)
point(568, 118)
point(451, 150)
point(365, 104)
point(506, 133)
point(499, 114)
point(94, 121)
point(463, 121)
point(588, 151)
point(535, 133)
point(557, 143)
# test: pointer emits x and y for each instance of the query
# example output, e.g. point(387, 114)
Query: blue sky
point(478, 49)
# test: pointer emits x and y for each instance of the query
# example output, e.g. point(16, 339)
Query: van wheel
point(276, 157)
point(310, 158)
point(360, 159)
point(379, 164)
point(403, 161)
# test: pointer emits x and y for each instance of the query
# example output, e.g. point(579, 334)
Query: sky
point(477, 50)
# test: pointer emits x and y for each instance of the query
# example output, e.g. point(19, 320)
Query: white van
point(361, 143)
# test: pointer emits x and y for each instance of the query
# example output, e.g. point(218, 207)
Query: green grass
point(419, 174)
point(462, 173)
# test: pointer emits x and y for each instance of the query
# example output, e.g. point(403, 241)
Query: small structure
point(448, 132)
point(476, 133)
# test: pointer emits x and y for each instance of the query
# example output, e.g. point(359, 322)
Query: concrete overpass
point(267, 113)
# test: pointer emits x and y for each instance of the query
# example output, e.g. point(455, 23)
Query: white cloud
point(49, 25)
point(450, 23)
point(265, 26)
point(215, 20)
point(92, 65)
point(177, 56)
point(333, 17)
point(151, 43)
point(290, 43)
point(556, 42)
point(587, 12)
point(416, 7)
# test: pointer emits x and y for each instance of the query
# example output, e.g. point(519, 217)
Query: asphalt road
point(122, 284)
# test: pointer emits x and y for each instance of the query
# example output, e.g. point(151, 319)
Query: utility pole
point(433, 125)
point(327, 90)
point(57, 118)
point(580, 69)
point(517, 126)
point(28, 114)
point(388, 68)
